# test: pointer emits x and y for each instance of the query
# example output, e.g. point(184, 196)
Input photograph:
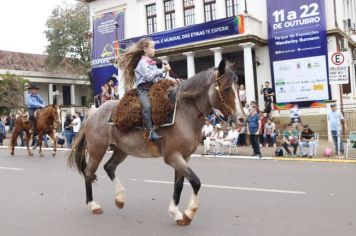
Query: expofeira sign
point(297, 43)
point(107, 29)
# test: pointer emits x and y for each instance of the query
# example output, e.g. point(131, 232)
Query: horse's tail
point(76, 157)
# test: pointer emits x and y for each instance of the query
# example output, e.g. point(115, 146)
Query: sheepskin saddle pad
point(128, 113)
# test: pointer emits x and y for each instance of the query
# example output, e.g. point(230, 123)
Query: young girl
point(140, 70)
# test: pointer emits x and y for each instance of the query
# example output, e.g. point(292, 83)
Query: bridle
point(217, 89)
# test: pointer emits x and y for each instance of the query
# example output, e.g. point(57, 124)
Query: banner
point(107, 29)
point(193, 33)
point(297, 43)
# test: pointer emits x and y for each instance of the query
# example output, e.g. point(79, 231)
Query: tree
point(67, 34)
point(11, 93)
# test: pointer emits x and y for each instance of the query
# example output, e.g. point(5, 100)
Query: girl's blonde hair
point(128, 61)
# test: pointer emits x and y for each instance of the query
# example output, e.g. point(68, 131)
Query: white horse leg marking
point(95, 207)
point(174, 211)
point(119, 193)
point(192, 206)
point(119, 190)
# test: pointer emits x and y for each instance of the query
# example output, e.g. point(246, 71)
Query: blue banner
point(107, 30)
point(297, 43)
point(194, 33)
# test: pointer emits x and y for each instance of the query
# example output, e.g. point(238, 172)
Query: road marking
point(10, 168)
point(235, 188)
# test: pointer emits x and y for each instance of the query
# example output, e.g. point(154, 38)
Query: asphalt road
point(42, 196)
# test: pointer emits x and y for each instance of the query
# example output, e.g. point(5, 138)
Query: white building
point(248, 49)
point(64, 86)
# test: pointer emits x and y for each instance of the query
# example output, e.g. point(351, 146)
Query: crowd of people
point(262, 132)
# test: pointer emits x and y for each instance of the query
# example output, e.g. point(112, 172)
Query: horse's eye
point(227, 89)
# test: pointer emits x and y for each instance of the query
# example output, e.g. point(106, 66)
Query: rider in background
point(140, 71)
point(33, 101)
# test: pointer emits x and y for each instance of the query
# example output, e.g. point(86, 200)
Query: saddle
point(127, 114)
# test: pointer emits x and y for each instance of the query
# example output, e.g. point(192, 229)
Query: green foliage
point(67, 34)
point(12, 89)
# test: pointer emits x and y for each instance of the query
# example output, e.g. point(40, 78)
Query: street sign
point(338, 69)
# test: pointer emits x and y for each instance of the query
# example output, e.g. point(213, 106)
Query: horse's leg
point(54, 138)
point(181, 167)
point(27, 140)
point(96, 154)
point(110, 166)
point(40, 139)
point(15, 134)
point(178, 187)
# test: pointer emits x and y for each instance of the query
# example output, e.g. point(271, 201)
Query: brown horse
point(46, 122)
point(196, 97)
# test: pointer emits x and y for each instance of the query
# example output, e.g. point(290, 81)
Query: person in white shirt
point(230, 139)
point(217, 134)
point(207, 130)
point(76, 123)
point(294, 114)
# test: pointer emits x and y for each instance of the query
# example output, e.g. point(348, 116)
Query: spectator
point(241, 140)
point(263, 117)
point(107, 90)
point(335, 117)
point(268, 93)
point(230, 139)
point(269, 134)
point(294, 114)
point(217, 134)
point(68, 131)
point(2, 130)
point(249, 106)
point(76, 123)
point(207, 130)
point(290, 138)
point(12, 122)
point(254, 129)
point(242, 95)
point(307, 140)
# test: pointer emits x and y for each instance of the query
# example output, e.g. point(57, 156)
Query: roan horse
point(46, 122)
point(196, 97)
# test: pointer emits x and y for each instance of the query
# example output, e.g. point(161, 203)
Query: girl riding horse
point(140, 69)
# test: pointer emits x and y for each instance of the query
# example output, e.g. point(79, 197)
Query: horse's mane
point(194, 86)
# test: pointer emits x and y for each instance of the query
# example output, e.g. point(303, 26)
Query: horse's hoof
point(11, 153)
point(41, 155)
point(53, 154)
point(30, 154)
point(119, 204)
point(97, 211)
point(185, 221)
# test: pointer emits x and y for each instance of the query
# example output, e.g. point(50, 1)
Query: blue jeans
point(68, 135)
point(271, 137)
point(337, 136)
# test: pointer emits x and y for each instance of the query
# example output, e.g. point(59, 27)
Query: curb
point(232, 156)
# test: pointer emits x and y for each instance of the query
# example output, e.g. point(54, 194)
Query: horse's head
point(55, 114)
point(223, 94)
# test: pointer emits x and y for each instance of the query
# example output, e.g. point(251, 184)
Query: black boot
point(153, 136)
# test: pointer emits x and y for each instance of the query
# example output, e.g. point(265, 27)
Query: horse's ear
point(221, 67)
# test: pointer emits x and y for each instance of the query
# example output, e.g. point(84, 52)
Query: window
point(151, 18)
point(66, 95)
point(209, 10)
point(188, 6)
point(231, 8)
point(169, 14)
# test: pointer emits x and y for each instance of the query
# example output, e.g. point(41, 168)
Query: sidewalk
point(244, 152)
point(268, 153)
